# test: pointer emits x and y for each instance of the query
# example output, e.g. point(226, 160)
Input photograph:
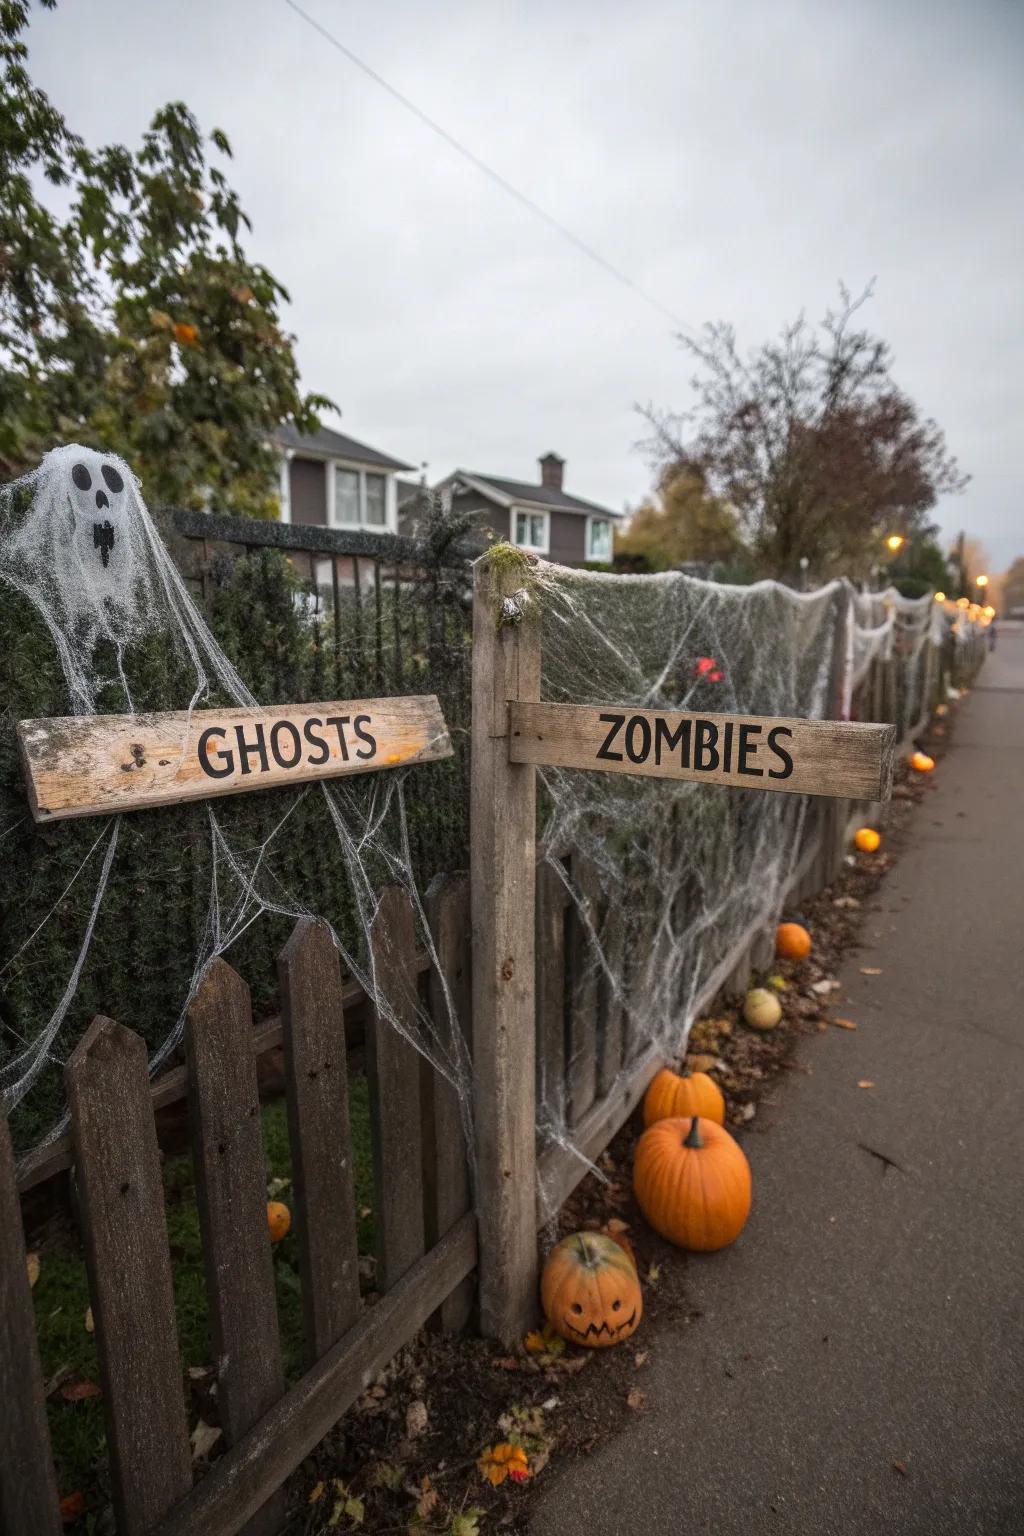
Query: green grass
point(61, 1296)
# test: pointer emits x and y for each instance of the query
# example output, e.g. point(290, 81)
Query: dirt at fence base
point(406, 1457)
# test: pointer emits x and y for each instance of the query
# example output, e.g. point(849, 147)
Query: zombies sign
point(805, 757)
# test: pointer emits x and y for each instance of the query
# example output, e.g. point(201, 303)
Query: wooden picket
point(422, 1207)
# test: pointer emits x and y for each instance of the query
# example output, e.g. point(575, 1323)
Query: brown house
point(540, 517)
point(332, 481)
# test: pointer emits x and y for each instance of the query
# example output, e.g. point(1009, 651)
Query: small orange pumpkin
point(692, 1183)
point(590, 1291)
point(692, 1093)
point(792, 941)
point(922, 763)
point(867, 839)
point(279, 1220)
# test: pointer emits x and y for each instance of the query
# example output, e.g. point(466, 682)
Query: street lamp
point(895, 542)
point(981, 581)
point(940, 597)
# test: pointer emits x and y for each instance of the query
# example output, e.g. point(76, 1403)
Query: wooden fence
point(425, 1235)
point(546, 1032)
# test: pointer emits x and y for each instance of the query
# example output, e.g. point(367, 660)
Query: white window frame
point(591, 520)
point(390, 523)
point(536, 549)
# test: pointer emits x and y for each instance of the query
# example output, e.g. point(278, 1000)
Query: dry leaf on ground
point(635, 1399)
point(416, 1419)
point(870, 970)
point(78, 1389)
point(865, 1082)
point(204, 1437)
point(843, 1023)
point(72, 1505)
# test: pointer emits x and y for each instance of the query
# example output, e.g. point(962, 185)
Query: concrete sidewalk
point(869, 1314)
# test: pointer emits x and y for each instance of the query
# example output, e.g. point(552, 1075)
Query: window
point(599, 538)
point(531, 531)
point(376, 505)
point(359, 498)
point(346, 496)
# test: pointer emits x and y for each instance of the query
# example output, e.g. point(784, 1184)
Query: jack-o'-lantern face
point(590, 1291)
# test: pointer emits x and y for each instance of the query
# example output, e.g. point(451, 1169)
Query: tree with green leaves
point(682, 523)
point(811, 442)
point(131, 317)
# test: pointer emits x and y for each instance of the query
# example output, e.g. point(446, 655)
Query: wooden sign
point(801, 757)
point(89, 765)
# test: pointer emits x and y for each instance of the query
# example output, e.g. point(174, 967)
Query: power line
point(489, 171)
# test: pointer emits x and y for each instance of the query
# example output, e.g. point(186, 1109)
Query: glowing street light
point(895, 541)
point(981, 581)
point(940, 597)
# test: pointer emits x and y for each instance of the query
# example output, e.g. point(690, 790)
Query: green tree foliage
point(681, 524)
point(921, 567)
point(131, 317)
point(811, 442)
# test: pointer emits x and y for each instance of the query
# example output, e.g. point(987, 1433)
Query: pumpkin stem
point(694, 1138)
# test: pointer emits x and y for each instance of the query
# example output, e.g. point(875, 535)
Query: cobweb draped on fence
point(77, 542)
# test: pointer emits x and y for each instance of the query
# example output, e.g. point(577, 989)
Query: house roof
point(409, 490)
point(522, 493)
point(328, 444)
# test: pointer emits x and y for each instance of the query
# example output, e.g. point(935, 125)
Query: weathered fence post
point(506, 666)
point(28, 1491)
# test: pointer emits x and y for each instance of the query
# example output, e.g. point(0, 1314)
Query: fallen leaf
point(505, 1460)
point(848, 903)
point(865, 1082)
point(416, 1419)
point(748, 1112)
point(778, 983)
point(843, 1023)
point(653, 1274)
point(32, 1269)
point(466, 1524)
point(87, 1322)
point(316, 1493)
point(870, 970)
point(78, 1389)
point(640, 1358)
point(199, 1372)
point(204, 1437)
point(820, 988)
point(900, 1467)
point(428, 1500)
point(635, 1399)
point(72, 1505)
point(701, 1062)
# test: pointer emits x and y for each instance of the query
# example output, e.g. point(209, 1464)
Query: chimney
point(551, 470)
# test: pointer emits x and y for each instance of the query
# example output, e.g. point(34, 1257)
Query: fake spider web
point(77, 542)
point(665, 878)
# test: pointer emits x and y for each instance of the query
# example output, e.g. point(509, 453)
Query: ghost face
point(96, 494)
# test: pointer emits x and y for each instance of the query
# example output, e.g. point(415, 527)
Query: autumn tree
point(682, 523)
point(131, 317)
point(1011, 588)
point(810, 441)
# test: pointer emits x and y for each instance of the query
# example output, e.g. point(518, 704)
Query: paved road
point(869, 1314)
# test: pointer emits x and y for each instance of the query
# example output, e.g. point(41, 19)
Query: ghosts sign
point(85, 766)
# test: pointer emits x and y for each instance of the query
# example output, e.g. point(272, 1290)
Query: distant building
point(542, 517)
point(332, 481)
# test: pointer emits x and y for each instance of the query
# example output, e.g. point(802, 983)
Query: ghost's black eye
point(112, 478)
point(81, 476)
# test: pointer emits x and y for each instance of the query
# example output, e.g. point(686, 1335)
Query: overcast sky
point(734, 157)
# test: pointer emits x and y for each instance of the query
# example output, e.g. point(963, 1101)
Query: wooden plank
point(449, 1196)
point(581, 1064)
point(239, 1482)
point(611, 1015)
point(172, 1086)
point(92, 765)
point(393, 1068)
point(231, 1193)
point(551, 911)
point(807, 757)
point(503, 815)
point(28, 1489)
point(316, 1069)
point(124, 1230)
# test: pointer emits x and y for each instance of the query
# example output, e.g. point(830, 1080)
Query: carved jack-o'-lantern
point(590, 1291)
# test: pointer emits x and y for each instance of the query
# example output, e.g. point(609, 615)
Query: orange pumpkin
point(590, 1291)
point(692, 1183)
point(694, 1093)
point(922, 763)
point(867, 839)
point(792, 941)
point(279, 1220)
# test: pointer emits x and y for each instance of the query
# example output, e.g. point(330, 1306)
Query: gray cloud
point(735, 157)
